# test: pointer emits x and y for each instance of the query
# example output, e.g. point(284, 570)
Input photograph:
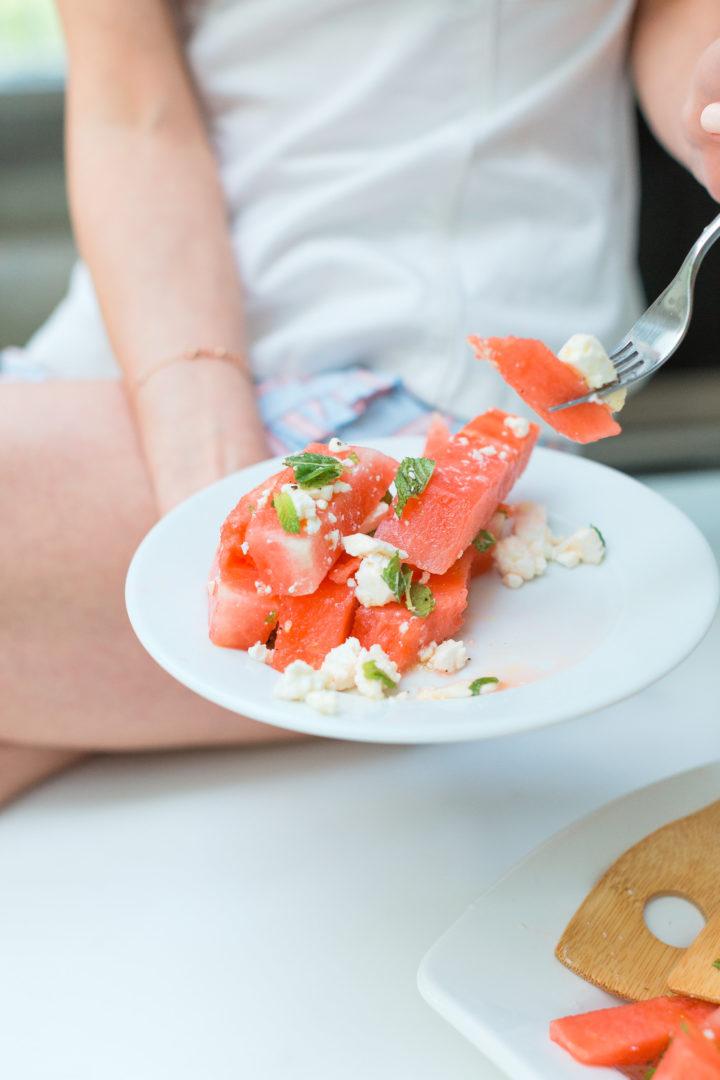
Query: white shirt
point(402, 173)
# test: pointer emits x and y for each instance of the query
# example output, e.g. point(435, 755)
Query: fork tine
point(629, 362)
point(621, 348)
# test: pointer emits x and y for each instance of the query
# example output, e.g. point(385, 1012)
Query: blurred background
point(674, 423)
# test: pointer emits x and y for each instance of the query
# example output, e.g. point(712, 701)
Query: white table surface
point(261, 914)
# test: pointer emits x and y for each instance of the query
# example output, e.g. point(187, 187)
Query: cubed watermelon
point(692, 1055)
point(296, 563)
point(242, 609)
point(401, 634)
point(310, 626)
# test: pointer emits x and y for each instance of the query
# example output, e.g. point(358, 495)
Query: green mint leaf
point(411, 480)
point(372, 671)
point(716, 964)
point(353, 457)
point(286, 512)
point(387, 498)
point(484, 541)
point(314, 470)
point(420, 600)
point(397, 576)
point(602, 538)
point(649, 1073)
point(252, 509)
point(477, 684)
point(271, 616)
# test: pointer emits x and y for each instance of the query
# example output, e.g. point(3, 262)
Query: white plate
point(568, 643)
point(494, 975)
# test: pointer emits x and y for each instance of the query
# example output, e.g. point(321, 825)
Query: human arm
point(676, 66)
point(150, 221)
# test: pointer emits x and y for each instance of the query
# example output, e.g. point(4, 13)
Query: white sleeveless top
point(402, 173)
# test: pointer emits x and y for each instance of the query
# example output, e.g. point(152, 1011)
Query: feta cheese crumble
point(259, 652)
point(525, 553)
point(447, 657)
point(519, 425)
point(586, 355)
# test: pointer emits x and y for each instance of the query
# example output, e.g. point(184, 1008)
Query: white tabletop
point(261, 914)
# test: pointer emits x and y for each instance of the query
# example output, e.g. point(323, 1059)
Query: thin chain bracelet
point(217, 353)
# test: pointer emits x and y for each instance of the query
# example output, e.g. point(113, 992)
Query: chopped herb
point(417, 598)
point(412, 479)
point(252, 509)
point(649, 1073)
point(477, 684)
point(286, 512)
point(503, 510)
point(314, 470)
point(684, 1026)
point(716, 964)
point(420, 600)
point(397, 576)
point(387, 498)
point(372, 671)
point(271, 616)
point(602, 538)
point(353, 457)
point(484, 541)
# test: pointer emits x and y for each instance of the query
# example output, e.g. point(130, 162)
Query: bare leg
point(22, 767)
point(75, 503)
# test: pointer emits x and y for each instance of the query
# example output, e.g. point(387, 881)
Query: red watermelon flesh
point(310, 626)
point(241, 611)
point(437, 438)
point(232, 533)
point(690, 1056)
point(402, 635)
point(542, 380)
point(627, 1034)
point(461, 496)
point(295, 564)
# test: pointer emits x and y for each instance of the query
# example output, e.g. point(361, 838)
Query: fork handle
point(702, 245)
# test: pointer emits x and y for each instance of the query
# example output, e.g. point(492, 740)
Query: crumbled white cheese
point(361, 544)
point(244, 547)
point(449, 656)
point(303, 502)
point(297, 681)
point(336, 446)
point(312, 525)
point(519, 425)
point(586, 355)
point(371, 589)
point(340, 664)
point(404, 627)
point(525, 553)
point(375, 688)
point(333, 538)
point(584, 546)
point(481, 452)
point(332, 518)
point(262, 588)
point(324, 701)
point(351, 583)
point(320, 494)
point(427, 651)
point(461, 440)
point(340, 486)
point(259, 652)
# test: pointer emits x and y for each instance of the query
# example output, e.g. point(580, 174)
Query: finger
point(710, 118)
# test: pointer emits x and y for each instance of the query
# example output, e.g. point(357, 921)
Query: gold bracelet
point(216, 353)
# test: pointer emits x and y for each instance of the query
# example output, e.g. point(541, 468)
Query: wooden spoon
point(607, 941)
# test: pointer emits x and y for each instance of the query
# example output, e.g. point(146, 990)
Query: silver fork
point(660, 329)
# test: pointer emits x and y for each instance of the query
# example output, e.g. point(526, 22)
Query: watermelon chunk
point(296, 563)
point(627, 1034)
point(241, 610)
point(473, 473)
point(542, 380)
point(437, 438)
point(401, 634)
point(310, 626)
point(692, 1055)
point(232, 549)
